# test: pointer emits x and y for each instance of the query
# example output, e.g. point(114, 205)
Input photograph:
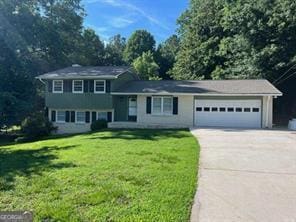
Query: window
point(77, 86)
point(61, 116)
point(80, 117)
point(207, 109)
point(99, 86)
point(247, 110)
point(255, 110)
point(230, 109)
point(57, 86)
point(162, 105)
point(238, 109)
point(198, 109)
point(222, 109)
point(214, 109)
point(102, 115)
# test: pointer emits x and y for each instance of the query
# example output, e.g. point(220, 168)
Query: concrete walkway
point(246, 175)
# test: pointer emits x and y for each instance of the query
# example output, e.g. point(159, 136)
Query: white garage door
point(228, 113)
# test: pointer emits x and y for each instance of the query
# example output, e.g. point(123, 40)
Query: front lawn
point(131, 175)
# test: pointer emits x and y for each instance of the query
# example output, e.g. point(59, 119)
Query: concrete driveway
point(246, 175)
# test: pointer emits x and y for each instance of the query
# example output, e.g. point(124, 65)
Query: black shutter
point(108, 86)
point(87, 117)
point(46, 112)
point(109, 117)
point(148, 105)
point(67, 116)
point(86, 86)
point(49, 85)
point(67, 85)
point(72, 116)
point(93, 116)
point(53, 115)
point(175, 105)
point(91, 85)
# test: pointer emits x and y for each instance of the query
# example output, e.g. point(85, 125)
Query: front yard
point(131, 175)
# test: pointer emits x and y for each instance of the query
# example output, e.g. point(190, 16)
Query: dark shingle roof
point(86, 72)
point(201, 87)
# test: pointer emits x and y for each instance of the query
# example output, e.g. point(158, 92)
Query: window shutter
point(49, 85)
point(72, 116)
point(46, 112)
point(109, 117)
point(86, 86)
point(108, 86)
point(67, 116)
point(53, 115)
point(175, 105)
point(67, 85)
point(87, 116)
point(91, 85)
point(148, 105)
point(93, 116)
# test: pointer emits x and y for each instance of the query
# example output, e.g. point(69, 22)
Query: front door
point(132, 108)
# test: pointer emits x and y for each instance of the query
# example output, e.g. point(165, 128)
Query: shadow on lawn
point(142, 134)
point(28, 162)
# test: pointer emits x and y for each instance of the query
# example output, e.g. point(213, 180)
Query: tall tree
point(236, 39)
point(114, 51)
point(140, 41)
point(90, 50)
point(35, 37)
point(166, 55)
point(146, 67)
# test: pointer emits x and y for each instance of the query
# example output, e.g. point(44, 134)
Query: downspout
point(267, 112)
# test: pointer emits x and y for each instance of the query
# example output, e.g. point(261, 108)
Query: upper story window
point(77, 86)
point(162, 105)
point(57, 86)
point(100, 86)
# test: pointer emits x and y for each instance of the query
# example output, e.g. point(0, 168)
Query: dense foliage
point(98, 125)
point(36, 125)
point(146, 67)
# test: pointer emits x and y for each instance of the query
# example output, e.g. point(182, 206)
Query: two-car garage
point(245, 113)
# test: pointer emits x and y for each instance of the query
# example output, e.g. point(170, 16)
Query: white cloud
point(101, 31)
point(120, 22)
point(131, 8)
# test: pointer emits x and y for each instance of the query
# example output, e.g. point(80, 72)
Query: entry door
point(228, 113)
point(132, 108)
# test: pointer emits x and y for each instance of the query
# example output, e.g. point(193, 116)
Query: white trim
point(192, 94)
point(161, 104)
point(53, 83)
point(80, 122)
point(100, 92)
point(73, 89)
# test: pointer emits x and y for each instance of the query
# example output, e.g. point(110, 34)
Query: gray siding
point(122, 79)
point(78, 101)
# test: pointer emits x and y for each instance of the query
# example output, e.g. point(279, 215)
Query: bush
point(99, 124)
point(36, 125)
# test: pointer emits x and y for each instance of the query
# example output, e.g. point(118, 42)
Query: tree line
point(216, 39)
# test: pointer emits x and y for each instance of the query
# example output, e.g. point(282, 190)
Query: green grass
point(130, 175)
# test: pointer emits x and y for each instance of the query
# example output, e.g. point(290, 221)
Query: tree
point(139, 42)
point(146, 67)
point(35, 37)
point(90, 51)
point(114, 51)
point(166, 56)
point(236, 39)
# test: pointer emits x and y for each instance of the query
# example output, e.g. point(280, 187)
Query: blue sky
point(111, 17)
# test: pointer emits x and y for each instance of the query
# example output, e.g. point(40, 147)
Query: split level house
point(76, 96)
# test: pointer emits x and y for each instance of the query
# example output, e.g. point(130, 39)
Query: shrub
point(99, 124)
point(36, 125)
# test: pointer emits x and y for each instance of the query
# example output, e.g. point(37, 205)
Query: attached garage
point(242, 113)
